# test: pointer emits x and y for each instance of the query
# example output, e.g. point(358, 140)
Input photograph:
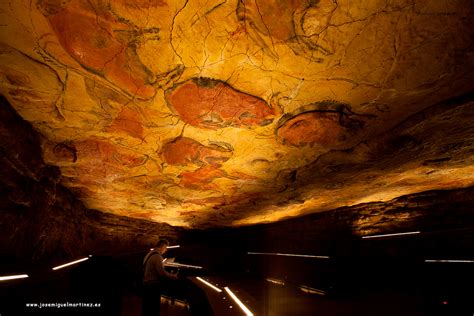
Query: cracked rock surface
point(227, 113)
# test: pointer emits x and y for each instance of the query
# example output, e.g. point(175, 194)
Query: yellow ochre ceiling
point(215, 113)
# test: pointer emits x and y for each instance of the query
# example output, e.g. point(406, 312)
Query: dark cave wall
point(430, 212)
point(41, 221)
point(444, 217)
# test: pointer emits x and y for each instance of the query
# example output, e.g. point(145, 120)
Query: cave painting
point(326, 123)
point(300, 24)
point(101, 42)
point(212, 104)
point(311, 128)
point(93, 158)
point(201, 179)
point(128, 122)
point(143, 4)
point(184, 151)
point(33, 87)
point(97, 161)
point(106, 152)
point(155, 107)
point(61, 152)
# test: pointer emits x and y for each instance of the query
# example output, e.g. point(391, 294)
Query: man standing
point(153, 279)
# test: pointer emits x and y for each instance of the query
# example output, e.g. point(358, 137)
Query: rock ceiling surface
point(206, 113)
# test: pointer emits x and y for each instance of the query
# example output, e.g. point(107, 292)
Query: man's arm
point(160, 268)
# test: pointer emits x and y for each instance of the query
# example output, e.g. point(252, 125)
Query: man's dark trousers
point(151, 300)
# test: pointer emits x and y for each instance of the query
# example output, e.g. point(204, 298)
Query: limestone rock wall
point(443, 217)
point(41, 220)
point(169, 110)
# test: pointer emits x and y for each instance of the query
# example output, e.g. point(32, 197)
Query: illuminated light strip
point(175, 301)
point(178, 265)
point(450, 261)
point(236, 299)
point(390, 235)
point(215, 288)
point(275, 281)
point(70, 263)
point(168, 247)
point(311, 290)
point(13, 277)
point(286, 255)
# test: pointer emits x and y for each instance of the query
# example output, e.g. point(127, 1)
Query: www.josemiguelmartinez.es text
point(64, 305)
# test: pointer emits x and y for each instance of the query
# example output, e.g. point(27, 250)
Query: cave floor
point(132, 306)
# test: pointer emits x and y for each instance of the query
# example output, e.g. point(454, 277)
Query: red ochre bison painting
point(213, 104)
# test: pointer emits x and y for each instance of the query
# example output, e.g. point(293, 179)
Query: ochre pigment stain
point(311, 128)
point(212, 104)
point(201, 178)
point(128, 122)
point(90, 34)
point(183, 151)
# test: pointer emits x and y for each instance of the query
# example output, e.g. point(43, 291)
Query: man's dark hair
point(162, 242)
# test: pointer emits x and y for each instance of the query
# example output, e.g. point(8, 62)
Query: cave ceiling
point(216, 113)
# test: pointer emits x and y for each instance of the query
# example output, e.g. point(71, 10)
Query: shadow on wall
point(42, 221)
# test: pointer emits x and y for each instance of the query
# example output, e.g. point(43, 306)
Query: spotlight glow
point(70, 263)
point(275, 281)
point(215, 288)
point(286, 255)
point(236, 299)
point(13, 277)
point(172, 300)
point(311, 290)
point(390, 235)
point(449, 261)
